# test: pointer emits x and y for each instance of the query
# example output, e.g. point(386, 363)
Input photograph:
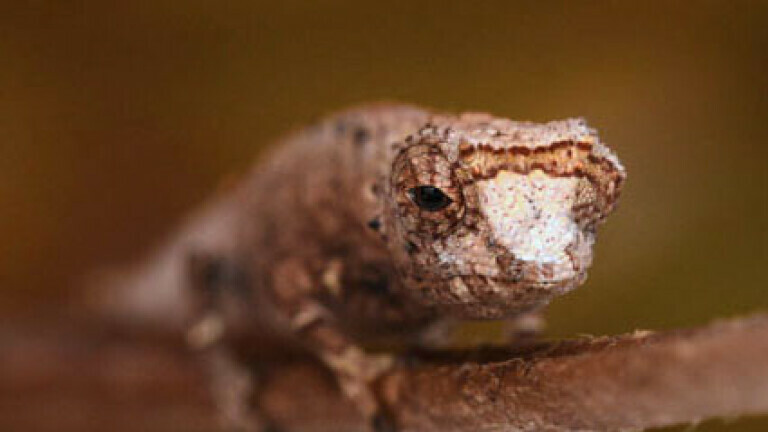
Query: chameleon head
point(490, 218)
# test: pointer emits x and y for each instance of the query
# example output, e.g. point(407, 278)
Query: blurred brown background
point(118, 117)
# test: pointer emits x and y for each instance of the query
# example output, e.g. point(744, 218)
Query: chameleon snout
point(542, 263)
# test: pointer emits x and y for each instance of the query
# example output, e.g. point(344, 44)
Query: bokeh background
point(116, 118)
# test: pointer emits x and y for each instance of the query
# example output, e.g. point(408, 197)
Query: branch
point(633, 381)
point(627, 382)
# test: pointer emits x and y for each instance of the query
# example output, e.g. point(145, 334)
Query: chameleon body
point(380, 221)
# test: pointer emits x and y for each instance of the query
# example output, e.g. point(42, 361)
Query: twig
point(627, 382)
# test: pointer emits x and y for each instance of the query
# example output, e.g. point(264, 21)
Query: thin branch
point(630, 382)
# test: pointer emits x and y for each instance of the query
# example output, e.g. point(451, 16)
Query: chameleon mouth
point(490, 297)
point(576, 278)
point(476, 287)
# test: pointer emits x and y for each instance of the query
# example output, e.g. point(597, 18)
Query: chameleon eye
point(429, 198)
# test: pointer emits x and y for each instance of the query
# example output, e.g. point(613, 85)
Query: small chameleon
point(380, 222)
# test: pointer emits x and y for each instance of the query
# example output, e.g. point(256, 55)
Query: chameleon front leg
point(355, 370)
point(219, 284)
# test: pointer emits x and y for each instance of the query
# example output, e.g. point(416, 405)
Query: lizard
point(383, 220)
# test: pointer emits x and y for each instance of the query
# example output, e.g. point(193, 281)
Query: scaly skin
point(380, 221)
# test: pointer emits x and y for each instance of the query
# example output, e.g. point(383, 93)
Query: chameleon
point(380, 222)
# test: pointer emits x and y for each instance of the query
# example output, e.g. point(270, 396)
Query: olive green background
point(118, 117)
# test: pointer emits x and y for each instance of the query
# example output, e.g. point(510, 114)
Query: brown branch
point(627, 382)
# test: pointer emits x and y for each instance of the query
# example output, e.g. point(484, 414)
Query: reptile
point(381, 222)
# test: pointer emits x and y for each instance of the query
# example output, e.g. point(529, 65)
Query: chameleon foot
point(356, 372)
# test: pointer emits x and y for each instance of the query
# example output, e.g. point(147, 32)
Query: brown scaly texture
point(375, 223)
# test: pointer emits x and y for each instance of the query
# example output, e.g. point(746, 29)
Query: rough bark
point(77, 379)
